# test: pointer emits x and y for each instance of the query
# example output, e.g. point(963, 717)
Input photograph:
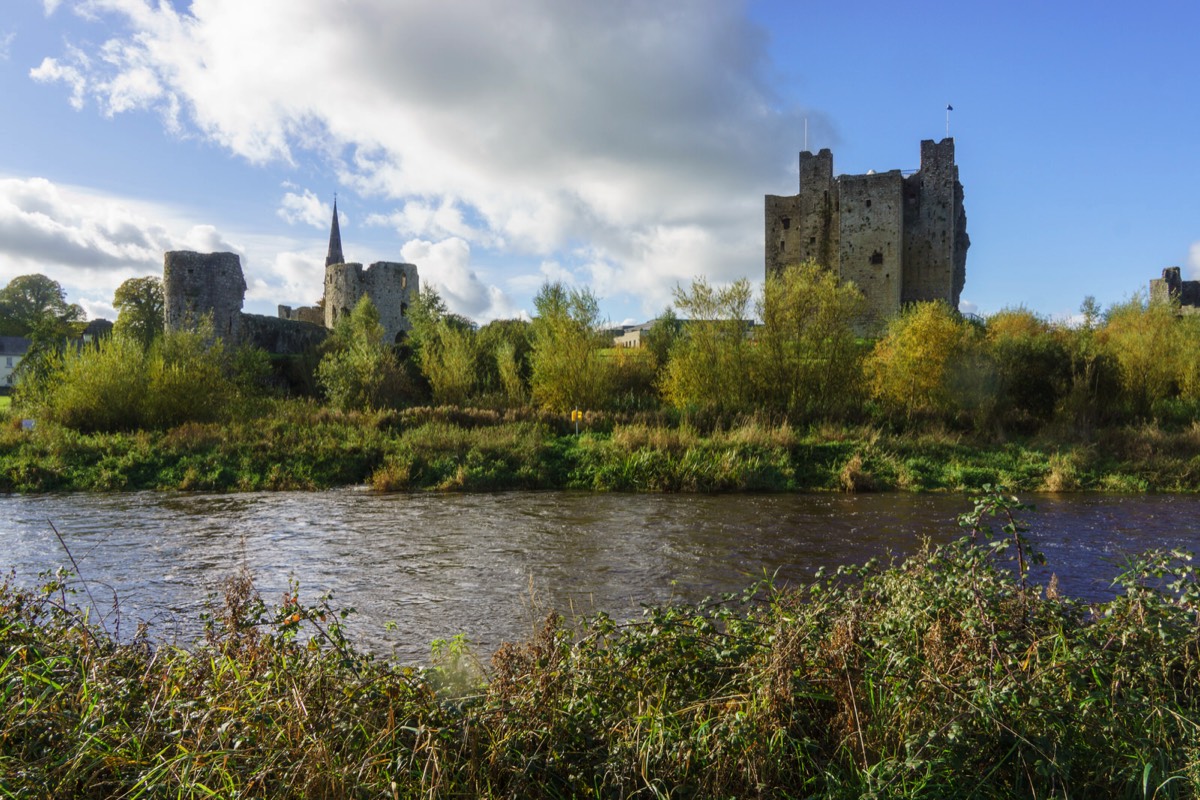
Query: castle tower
point(900, 239)
point(335, 241)
point(204, 284)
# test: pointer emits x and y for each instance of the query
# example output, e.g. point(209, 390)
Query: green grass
point(5, 403)
point(301, 445)
point(941, 676)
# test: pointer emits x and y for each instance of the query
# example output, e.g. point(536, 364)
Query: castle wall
point(935, 241)
point(871, 228)
point(390, 285)
point(281, 336)
point(803, 227)
point(313, 315)
point(901, 240)
point(1171, 288)
point(196, 284)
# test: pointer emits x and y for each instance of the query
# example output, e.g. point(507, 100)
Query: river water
point(490, 565)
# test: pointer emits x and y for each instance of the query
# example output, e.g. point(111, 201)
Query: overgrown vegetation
point(943, 675)
point(711, 402)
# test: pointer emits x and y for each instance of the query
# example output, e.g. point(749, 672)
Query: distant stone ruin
point(212, 285)
point(1172, 288)
point(900, 238)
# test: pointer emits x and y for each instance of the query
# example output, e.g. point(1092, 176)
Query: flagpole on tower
point(949, 108)
point(806, 134)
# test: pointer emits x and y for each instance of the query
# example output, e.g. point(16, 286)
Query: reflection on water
point(482, 564)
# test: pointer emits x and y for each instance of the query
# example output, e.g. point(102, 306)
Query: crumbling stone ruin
point(197, 285)
point(1172, 288)
point(212, 284)
point(900, 238)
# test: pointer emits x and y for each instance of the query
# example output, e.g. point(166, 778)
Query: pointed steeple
point(335, 240)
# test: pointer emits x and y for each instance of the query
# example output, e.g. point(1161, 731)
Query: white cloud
point(51, 71)
point(1194, 260)
point(90, 242)
point(6, 41)
point(308, 209)
point(446, 266)
point(630, 140)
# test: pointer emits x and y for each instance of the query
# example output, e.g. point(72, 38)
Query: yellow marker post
point(576, 415)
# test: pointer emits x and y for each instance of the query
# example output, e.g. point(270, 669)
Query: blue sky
point(624, 145)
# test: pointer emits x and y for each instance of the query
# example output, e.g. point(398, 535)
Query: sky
point(624, 146)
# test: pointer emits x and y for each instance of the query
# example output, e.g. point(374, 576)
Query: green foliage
point(139, 303)
point(36, 307)
point(914, 367)
point(360, 371)
point(1146, 342)
point(661, 337)
point(116, 385)
point(449, 356)
point(567, 369)
point(1032, 368)
point(709, 368)
point(504, 347)
point(807, 362)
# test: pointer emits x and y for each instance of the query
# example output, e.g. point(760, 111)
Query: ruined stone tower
point(196, 284)
point(390, 285)
point(900, 239)
point(199, 284)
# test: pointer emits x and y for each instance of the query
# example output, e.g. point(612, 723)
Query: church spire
point(335, 240)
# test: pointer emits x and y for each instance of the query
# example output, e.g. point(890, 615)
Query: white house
point(12, 349)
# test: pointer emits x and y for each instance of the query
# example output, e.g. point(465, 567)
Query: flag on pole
point(949, 107)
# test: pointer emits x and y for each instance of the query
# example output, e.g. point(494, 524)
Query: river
point(418, 567)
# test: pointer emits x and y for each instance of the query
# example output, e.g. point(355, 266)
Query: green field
point(5, 402)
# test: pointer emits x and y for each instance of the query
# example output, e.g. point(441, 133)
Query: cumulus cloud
point(89, 242)
point(630, 140)
point(306, 208)
point(446, 266)
point(1194, 260)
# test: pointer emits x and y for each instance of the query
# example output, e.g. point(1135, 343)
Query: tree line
point(703, 362)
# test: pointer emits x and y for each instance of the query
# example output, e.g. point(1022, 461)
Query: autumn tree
point(914, 368)
point(567, 369)
point(709, 370)
point(807, 360)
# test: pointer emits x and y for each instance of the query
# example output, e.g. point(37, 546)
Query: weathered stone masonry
point(1172, 288)
point(900, 239)
point(212, 284)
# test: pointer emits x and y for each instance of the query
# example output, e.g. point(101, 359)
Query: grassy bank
point(941, 676)
point(298, 445)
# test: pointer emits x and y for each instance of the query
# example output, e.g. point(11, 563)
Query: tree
point(708, 369)
point(1031, 365)
point(360, 371)
point(36, 306)
point(662, 335)
point(807, 360)
point(139, 303)
point(1144, 341)
point(567, 368)
point(503, 363)
point(914, 367)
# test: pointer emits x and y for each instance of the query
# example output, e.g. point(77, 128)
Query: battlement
point(900, 239)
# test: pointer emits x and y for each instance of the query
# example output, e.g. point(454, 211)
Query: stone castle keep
point(900, 238)
point(198, 284)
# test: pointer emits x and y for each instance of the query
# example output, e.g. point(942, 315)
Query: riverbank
point(299, 445)
point(943, 675)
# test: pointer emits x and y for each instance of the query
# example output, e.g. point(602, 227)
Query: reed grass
point(294, 444)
